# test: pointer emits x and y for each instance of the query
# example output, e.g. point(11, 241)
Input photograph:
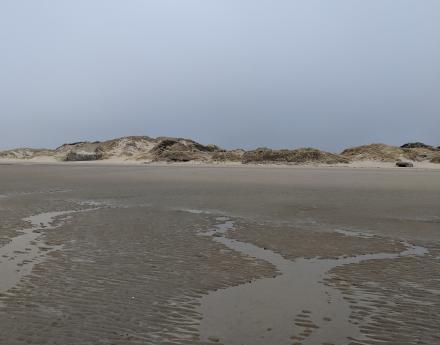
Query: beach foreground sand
point(366, 164)
point(158, 254)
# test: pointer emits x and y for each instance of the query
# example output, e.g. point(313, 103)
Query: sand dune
point(144, 149)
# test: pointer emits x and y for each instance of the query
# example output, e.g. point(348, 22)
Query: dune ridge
point(145, 149)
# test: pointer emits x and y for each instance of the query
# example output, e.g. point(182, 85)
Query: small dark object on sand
point(404, 164)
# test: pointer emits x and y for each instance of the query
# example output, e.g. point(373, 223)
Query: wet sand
point(23, 251)
point(295, 305)
point(203, 255)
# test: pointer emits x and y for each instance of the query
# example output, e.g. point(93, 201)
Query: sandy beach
point(165, 254)
point(220, 172)
point(368, 164)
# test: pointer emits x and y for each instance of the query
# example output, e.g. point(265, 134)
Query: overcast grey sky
point(238, 73)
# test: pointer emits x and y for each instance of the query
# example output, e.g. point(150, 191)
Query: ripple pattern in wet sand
point(295, 307)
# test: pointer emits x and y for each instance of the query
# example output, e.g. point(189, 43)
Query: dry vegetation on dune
point(416, 152)
point(126, 148)
point(170, 149)
point(25, 153)
point(181, 150)
point(298, 156)
point(228, 156)
point(134, 147)
point(374, 152)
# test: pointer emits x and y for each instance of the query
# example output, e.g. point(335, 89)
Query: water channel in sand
point(23, 251)
point(264, 311)
point(18, 257)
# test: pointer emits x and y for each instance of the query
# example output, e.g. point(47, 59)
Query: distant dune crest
point(170, 149)
point(416, 152)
